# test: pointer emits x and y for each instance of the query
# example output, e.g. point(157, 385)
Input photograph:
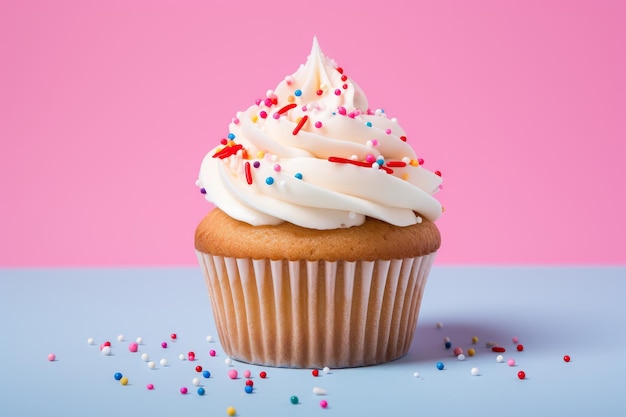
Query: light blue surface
point(554, 311)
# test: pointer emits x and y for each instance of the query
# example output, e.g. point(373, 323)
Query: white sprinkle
point(163, 362)
point(106, 351)
point(326, 370)
point(181, 357)
point(446, 339)
point(90, 341)
point(354, 157)
point(120, 338)
point(416, 374)
point(418, 219)
point(406, 160)
point(196, 382)
point(151, 364)
point(499, 358)
point(228, 361)
point(439, 325)
point(369, 144)
point(474, 371)
point(461, 357)
point(145, 357)
point(139, 340)
point(319, 391)
point(209, 338)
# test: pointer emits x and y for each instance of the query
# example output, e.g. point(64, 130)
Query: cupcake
point(322, 236)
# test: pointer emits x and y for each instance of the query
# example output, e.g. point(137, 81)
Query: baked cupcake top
point(312, 153)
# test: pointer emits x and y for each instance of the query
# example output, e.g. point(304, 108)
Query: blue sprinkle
point(298, 175)
point(248, 389)
point(368, 124)
point(117, 376)
point(200, 391)
point(206, 374)
point(440, 365)
point(269, 180)
point(448, 345)
point(231, 136)
point(297, 93)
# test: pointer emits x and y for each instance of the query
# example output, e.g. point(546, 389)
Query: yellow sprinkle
point(255, 118)
point(405, 176)
point(231, 411)
point(291, 99)
point(475, 339)
point(414, 162)
point(124, 381)
point(260, 154)
point(471, 351)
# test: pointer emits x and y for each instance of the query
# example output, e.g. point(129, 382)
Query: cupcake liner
point(311, 314)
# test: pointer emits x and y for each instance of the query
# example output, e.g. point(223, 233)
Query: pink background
point(106, 109)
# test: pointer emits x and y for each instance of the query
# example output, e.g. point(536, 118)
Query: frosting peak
point(312, 153)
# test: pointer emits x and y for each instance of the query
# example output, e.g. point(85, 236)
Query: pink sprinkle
point(304, 108)
point(515, 339)
point(150, 387)
point(318, 124)
point(341, 110)
point(351, 115)
point(268, 102)
point(191, 356)
point(337, 92)
point(235, 120)
point(183, 390)
point(247, 373)
point(357, 112)
point(323, 403)
point(277, 167)
point(211, 352)
point(276, 116)
point(457, 351)
point(374, 142)
point(257, 101)
point(369, 158)
point(420, 161)
point(163, 345)
point(51, 357)
point(511, 362)
point(263, 114)
point(133, 347)
point(388, 131)
point(232, 374)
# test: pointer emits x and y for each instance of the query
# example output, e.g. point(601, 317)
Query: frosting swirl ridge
point(312, 153)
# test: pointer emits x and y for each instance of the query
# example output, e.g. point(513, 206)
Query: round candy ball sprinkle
point(326, 370)
point(566, 358)
point(315, 372)
point(461, 357)
point(263, 374)
point(150, 387)
point(51, 357)
point(471, 351)
point(139, 340)
point(248, 389)
point(163, 362)
point(183, 390)
point(206, 374)
point(294, 399)
point(457, 351)
point(474, 339)
point(201, 391)
point(520, 348)
point(198, 369)
point(439, 365)
point(191, 356)
point(151, 364)
point(511, 362)
point(515, 339)
point(145, 357)
point(181, 357)
point(120, 338)
point(499, 358)
point(250, 382)
point(196, 382)
point(228, 361)
point(324, 404)
point(211, 352)
point(164, 345)
point(439, 325)
point(416, 374)
point(106, 350)
point(319, 391)
point(231, 411)
point(124, 381)
point(247, 373)
point(90, 341)
point(133, 347)
point(209, 338)
point(474, 371)
point(448, 345)
point(232, 374)
point(521, 375)
point(117, 376)
point(173, 336)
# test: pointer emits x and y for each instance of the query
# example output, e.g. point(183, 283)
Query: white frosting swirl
point(313, 154)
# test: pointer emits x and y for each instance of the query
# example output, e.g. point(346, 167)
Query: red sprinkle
point(403, 138)
point(248, 173)
point(263, 374)
point(566, 358)
point(498, 349)
point(315, 372)
point(396, 164)
point(340, 70)
point(348, 161)
point(227, 151)
point(287, 108)
point(438, 173)
point(300, 124)
point(521, 374)
point(520, 348)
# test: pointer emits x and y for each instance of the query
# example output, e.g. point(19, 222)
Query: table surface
point(554, 311)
